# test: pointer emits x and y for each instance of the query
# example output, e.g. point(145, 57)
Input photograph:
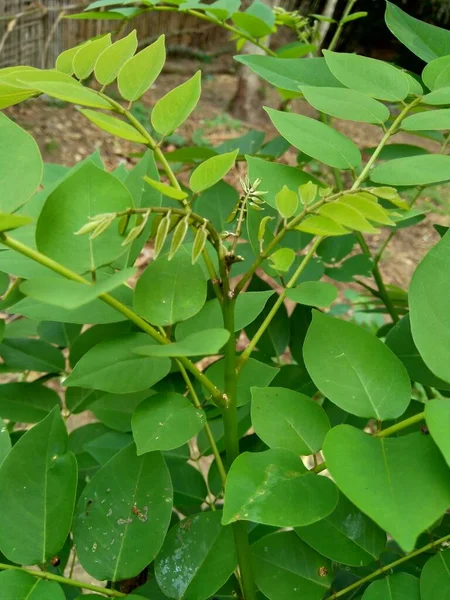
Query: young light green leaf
point(64, 62)
point(347, 216)
point(280, 498)
point(367, 207)
point(413, 170)
point(307, 192)
point(165, 421)
point(112, 366)
point(84, 60)
point(111, 60)
point(436, 73)
point(387, 478)
point(262, 230)
point(20, 165)
point(10, 222)
point(286, 419)
point(199, 244)
point(170, 291)
point(437, 415)
point(201, 547)
point(114, 126)
point(394, 587)
point(435, 578)
point(87, 193)
point(38, 485)
point(425, 40)
point(287, 202)
point(138, 73)
point(313, 293)
point(202, 343)
point(178, 236)
point(75, 94)
point(428, 297)
point(211, 171)
point(316, 139)
point(174, 108)
point(355, 370)
point(318, 225)
point(342, 103)
point(287, 568)
point(346, 536)
point(166, 190)
point(117, 540)
point(281, 260)
point(369, 76)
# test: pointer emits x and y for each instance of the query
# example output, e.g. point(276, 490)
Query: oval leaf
point(111, 60)
point(138, 74)
point(114, 126)
point(174, 108)
point(202, 343)
point(413, 170)
point(435, 577)
point(437, 415)
point(313, 293)
point(211, 171)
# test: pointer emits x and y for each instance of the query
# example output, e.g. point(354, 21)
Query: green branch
point(281, 298)
point(64, 581)
point(390, 566)
point(337, 33)
point(45, 261)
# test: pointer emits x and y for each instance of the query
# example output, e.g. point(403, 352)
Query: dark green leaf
point(31, 355)
point(313, 293)
point(401, 586)
point(437, 415)
point(26, 402)
point(209, 341)
point(17, 585)
point(114, 410)
point(435, 577)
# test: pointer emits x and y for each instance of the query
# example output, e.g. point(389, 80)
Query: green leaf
point(316, 139)
point(189, 487)
point(281, 260)
point(441, 96)
point(64, 62)
point(164, 422)
point(437, 415)
point(138, 73)
point(201, 552)
point(430, 319)
point(346, 104)
point(175, 107)
point(170, 291)
point(31, 355)
point(252, 24)
point(25, 402)
point(286, 202)
point(346, 536)
point(290, 73)
point(313, 293)
point(86, 57)
point(202, 343)
point(436, 73)
point(366, 204)
point(369, 76)
point(318, 225)
point(428, 121)
point(111, 60)
point(355, 370)
point(114, 126)
point(5, 441)
point(287, 568)
point(38, 482)
point(253, 371)
point(114, 410)
point(248, 307)
point(211, 171)
point(400, 341)
point(112, 366)
point(286, 419)
point(435, 577)
point(275, 488)
point(123, 515)
point(17, 585)
point(387, 479)
point(425, 40)
point(166, 190)
point(73, 93)
point(20, 165)
point(401, 586)
point(87, 193)
point(414, 170)
point(71, 294)
point(10, 222)
point(347, 216)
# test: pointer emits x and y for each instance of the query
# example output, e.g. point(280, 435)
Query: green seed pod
point(199, 243)
point(161, 234)
point(102, 226)
point(123, 224)
point(137, 229)
point(178, 236)
point(87, 228)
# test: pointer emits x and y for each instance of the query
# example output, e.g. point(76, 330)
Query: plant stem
point(230, 423)
point(211, 19)
point(63, 580)
point(281, 298)
point(196, 402)
point(384, 433)
point(216, 394)
point(391, 566)
point(337, 33)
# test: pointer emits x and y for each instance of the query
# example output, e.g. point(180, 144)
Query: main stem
point(230, 423)
point(337, 33)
